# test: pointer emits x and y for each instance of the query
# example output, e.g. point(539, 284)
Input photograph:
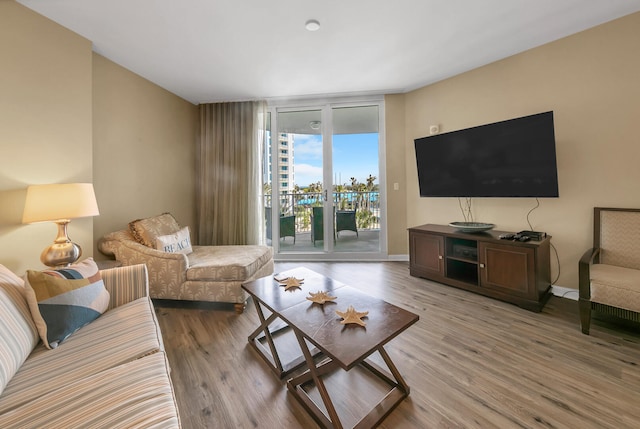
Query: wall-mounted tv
point(512, 158)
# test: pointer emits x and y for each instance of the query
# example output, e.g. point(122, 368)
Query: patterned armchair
point(609, 273)
point(180, 271)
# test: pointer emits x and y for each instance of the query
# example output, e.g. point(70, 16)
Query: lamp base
point(63, 252)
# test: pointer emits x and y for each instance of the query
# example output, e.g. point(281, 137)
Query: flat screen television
point(512, 158)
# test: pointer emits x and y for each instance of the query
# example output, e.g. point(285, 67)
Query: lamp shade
point(59, 201)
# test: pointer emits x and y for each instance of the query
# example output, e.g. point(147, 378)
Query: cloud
point(307, 174)
point(307, 146)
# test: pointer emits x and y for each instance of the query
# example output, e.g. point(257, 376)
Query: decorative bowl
point(472, 226)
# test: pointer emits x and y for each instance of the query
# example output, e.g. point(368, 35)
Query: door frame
point(326, 105)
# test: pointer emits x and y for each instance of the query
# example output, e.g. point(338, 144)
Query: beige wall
point(591, 81)
point(144, 148)
point(45, 126)
point(67, 115)
point(395, 174)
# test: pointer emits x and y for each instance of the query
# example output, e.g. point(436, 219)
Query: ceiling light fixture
point(312, 25)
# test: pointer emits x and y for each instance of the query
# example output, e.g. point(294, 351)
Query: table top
point(273, 296)
point(348, 344)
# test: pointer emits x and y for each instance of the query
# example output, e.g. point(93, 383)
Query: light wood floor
point(471, 362)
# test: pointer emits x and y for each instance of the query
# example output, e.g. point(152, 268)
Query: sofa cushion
point(145, 231)
point(64, 300)
point(615, 286)
point(121, 335)
point(136, 394)
point(227, 263)
point(18, 334)
point(179, 242)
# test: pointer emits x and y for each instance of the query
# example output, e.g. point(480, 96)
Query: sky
point(354, 155)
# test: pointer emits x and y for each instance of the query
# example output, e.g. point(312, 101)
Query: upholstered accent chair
point(180, 271)
point(609, 273)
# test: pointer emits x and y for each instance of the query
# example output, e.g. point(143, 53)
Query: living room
point(69, 114)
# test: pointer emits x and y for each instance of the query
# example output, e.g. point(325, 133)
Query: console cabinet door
point(426, 254)
point(508, 269)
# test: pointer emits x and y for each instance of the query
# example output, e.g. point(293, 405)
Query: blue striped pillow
point(64, 300)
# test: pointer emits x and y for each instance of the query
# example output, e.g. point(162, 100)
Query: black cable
point(558, 260)
point(537, 205)
point(551, 244)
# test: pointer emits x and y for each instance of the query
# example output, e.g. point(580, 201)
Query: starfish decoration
point(290, 282)
point(352, 316)
point(320, 297)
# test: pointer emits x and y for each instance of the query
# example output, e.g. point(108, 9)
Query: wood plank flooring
point(471, 361)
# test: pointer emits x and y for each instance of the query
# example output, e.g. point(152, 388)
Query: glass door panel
point(298, 174)
point(356, 189)
point(324, 180)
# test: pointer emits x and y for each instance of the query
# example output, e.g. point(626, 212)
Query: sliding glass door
point(323, 182)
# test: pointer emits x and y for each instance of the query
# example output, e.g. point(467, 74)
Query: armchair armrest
point(125, 284)
point(590, 257)
point(166, 270)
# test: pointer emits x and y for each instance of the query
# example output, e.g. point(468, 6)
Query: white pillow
point(180, 242)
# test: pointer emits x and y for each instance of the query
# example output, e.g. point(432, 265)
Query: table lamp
point(60, 203)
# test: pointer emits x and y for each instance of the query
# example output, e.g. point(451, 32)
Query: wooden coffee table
point(273, 339)
point(348, 347)
point(342, 371)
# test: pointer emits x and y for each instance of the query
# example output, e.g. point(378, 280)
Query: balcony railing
point(366, 204)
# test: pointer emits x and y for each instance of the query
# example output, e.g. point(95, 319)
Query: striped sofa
point(112, 373)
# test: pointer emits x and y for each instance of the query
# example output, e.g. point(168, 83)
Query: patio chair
point(287, 225)
point(317, 227)
point(346, 221)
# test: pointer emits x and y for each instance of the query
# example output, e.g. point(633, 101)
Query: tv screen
point(512, 158)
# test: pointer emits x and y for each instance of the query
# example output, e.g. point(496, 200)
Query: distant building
point(285, 171)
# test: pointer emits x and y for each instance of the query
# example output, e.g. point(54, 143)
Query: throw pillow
point(145, 231)
point(18, 334)
point(64, 300)
point(180, 242)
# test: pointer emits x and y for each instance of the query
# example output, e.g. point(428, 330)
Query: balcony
point(365, 203)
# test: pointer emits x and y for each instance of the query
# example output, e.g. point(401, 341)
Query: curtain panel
point(229, 173)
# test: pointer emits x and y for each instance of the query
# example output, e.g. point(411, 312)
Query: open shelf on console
point(463, 271)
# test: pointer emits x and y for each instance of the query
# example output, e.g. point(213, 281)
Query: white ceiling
point(231, 50)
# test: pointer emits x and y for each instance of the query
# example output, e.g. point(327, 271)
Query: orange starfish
point(352, 316)
point(290, 282)
point(320, 297)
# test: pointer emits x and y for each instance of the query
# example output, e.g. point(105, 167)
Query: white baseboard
point(565, 292)
point(398, 258)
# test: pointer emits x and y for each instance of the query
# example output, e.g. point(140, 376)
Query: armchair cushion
point(146, 231)
point(615, 286)
point(619, 238)
point(227, 263)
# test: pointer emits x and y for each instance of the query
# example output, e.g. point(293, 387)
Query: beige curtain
point(229, 173)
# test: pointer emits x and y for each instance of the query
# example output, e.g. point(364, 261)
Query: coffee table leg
point(314, 373)
point(264, 328)
point(395, 378)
